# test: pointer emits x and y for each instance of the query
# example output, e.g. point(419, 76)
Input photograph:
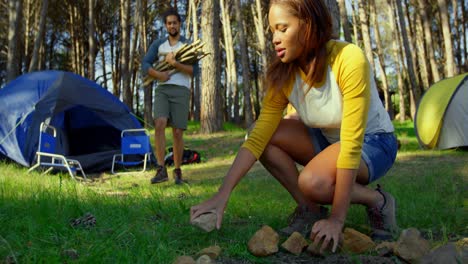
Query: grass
point(141, 223)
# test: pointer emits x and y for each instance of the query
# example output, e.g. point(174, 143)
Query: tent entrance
point(88, 133)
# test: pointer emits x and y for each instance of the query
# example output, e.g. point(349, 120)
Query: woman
point(344, 138)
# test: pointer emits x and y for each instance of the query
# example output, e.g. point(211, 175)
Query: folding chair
point(46, 156)
point(134, 144)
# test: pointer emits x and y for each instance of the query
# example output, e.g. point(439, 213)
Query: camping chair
point(134, 144)
point(47, 157)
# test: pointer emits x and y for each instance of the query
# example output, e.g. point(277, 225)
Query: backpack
point(189, 156)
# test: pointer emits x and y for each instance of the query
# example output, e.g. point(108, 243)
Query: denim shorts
point(378, 151)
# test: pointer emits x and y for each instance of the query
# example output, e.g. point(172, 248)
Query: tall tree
point(231, 69)
point(211, 106)
point(422, 4)
point(34, 66)
point(125, 55)
point(414, 89)
point(344, 20)
point(335, 14)
point(381, 60)
point(14, 18)
point(450, 69)
point(91, 41)
point(244, 54)
point(363, 9)
point(397, 59)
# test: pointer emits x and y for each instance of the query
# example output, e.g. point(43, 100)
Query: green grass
point(141, 223)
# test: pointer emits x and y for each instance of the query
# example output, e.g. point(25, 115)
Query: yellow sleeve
point(267, 122)
point(354, 80)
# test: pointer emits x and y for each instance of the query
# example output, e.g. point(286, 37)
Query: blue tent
point(88, 118)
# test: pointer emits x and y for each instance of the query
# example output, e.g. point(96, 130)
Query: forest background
point(410, 44)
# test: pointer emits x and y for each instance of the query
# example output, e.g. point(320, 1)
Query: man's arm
point(149, 59)
point(185, 68)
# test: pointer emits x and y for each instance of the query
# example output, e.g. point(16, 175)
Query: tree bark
point(335, 15)
point(34, 65)
point(380, 55)
point(211, 114)
point(421, 50)
point(91, 40)
point(414, 91)
point(344, 21)
point(244, 54)
point(428, 40)
point(231, 76)
point(14, 18)
point(125, 55)
point(450, 69)
point(196, 93)
point(363, 8)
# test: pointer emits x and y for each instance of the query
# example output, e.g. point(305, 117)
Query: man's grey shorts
point(173, 102)
point(378, 151)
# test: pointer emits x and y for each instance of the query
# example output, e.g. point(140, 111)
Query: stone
point(213, 252)
point(264, 242)
point(206, 221)
point(411, 246)
point(184, 260)
point(205, 259)
point(356, 242)
point(385, 248)
point(445, 254)
point(295, 243)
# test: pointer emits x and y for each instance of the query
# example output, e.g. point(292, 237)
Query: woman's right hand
point(215, 204)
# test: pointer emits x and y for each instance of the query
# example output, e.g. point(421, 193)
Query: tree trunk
point(335, 15)
point(397, 59)
point(414, 95)
point(196, 93)
point(363, 9)
point(132, 64)
point(211, 115)
point(428, 40)
point(411, 33)
point(381, 59)
point(355, 12)
point(344, 21)
point(244, 53)
point(91, 42)
point(125, 55)
point(421, 51)
point(34, 66)
point(464, 21)
point(450, 69)
point(231, 76)
point(14, 22)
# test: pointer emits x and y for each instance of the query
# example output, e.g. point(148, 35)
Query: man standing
point(171, 96)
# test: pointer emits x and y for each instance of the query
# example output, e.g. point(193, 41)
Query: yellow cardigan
point(350, 71)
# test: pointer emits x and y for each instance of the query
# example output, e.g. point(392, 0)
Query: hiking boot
point(302, 220)
point(177, 173)
point(161, 175)
point(383, 219)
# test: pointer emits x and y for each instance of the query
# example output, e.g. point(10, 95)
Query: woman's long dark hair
point(316, 19)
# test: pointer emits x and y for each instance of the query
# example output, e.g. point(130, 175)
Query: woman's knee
point(315, 186)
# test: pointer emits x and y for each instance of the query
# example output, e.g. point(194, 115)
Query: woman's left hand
point(326, 230)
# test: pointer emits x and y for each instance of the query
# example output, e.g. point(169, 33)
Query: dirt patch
point(286, 258)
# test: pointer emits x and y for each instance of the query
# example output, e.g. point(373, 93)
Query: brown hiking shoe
point(302, 220)
point(177, 173)
point(383, 220)
point(161, 175)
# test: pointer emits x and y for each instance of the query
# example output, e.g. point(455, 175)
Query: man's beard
point(174, 34)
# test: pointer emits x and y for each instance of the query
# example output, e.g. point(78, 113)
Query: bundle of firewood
point(187, 54)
